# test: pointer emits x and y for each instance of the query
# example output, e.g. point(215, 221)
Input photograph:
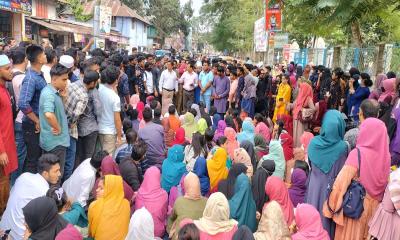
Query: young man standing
point(54, 136)
point(110, 125)
point(8, 151)
point(189, 80)
point(206, 79)
point(51, 56)
point(28, 103)
point(168, 86)
point(221, 89)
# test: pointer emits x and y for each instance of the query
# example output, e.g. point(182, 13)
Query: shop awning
point(59, 26)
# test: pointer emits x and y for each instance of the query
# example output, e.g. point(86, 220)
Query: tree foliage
point(137, 5)
point(77, 9)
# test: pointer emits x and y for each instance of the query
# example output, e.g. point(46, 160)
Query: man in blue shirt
point(206, 79)
point(54, 134)
point(28, 103)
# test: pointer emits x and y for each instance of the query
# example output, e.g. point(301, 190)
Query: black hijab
point(42, 218)
point(258, 183)
point(249, 147)
point(227, 186)
point(243, 233)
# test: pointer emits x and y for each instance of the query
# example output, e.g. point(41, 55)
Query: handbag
point(353, 199)
point(305, 115)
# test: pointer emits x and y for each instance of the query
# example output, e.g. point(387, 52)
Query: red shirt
point(7, 139)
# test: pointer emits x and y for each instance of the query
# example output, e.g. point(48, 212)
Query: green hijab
point(202, 126)
point(189, 125)
point(276, 154)
point(325, 149)
point(242, 206)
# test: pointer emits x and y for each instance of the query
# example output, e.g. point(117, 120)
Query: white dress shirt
point(168, 81)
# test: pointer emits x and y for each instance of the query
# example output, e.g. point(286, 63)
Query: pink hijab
point(231, 143)
point(263, 130)
point(305, 93)
point(305, 139)
point(134, 100)
point(374, 146)
point(309, 224)
point(388, 85)
point(140, 108)
point(154, 198)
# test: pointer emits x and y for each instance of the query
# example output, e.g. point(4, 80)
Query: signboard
point(260, 36)
point(273, 18)
point(281, 39)
point(105, 19)
point(18, 6)
point(286, 52)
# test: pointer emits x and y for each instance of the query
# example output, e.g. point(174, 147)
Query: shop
point(12, 22)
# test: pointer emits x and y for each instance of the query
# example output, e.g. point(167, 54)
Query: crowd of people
point(103, 145)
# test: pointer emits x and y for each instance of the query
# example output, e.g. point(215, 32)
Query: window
point(133, 23)
point(144, 28)
point(113, 22)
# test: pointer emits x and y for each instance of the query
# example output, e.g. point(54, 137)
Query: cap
point(67, 61)
point(4, 60)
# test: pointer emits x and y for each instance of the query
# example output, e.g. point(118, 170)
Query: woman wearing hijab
point(169, 133)
point(190, 206)
point(220, 130)
point(389, 93)
point(272, 225)
point(298, 187)
point(134, 100)
point(249, 147)
point(216, 167)
point(282, 98)
point(263, 130)
point(395, 142)
point(179, 137)
point(215, 223)
point(276, 190)
point(200, 169)
point(226, 186)
point(247, 132)
point(243, 233)
point(196, 149)
point(376, 93)
point(141, 226)
point(42, 219)
point(69, 233)
point(303, 101)
point(155, 199)
point(202, 126)
point(309, 225)
point(173, 167)
point(357, 95)
point(260, 147)
point(275, 154)
point(374, 175)
point(327, 153)
point(197, 108)
point(109, 209)
point(189, 125)
point(305, 140)
point(231, 143)
point(249, 95)
point(241, 156)
point(258, 181)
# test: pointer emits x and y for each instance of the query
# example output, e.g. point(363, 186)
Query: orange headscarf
point(109, 211)
point(216, 166)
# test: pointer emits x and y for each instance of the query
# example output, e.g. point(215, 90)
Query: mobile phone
point(6, 233)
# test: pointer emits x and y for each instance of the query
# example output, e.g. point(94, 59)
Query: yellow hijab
point(217, 167)
point(284, 91)
point(109, 215)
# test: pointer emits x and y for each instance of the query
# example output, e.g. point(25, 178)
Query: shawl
point(216, 216)
point(216, 167)
point(373, 145)
point(395, 143)
point(389, 87)
point(272, 225)
point(216, 119)
point(226, 186)
point(276, 190)
point(247, 132)
point(242, 206)
point(174, 122)
point(134, 100)
point(324, 150)
point(140, 108)
point(42, 218)
point(220, 130)
point(200, 169)
point(241, 156)
point(197, 108)
point(284, 92)
point(110, 210)
point(169, 133)
point(258, 183)
point(305, 140)
point(309, 224)
point(179, 137)
point(305, 94)
point(192, 186)
point(231, 143)
point(249, 147)
point(287, 145)
point(287, 121)
point(276, 154)
point(141, 226)
point(69, 233)
point(263, 130)
point(298, 187)
point(243, 233)
point(173, 167)
point(189, 125)
point(202, 126)
point(378, 86)
point(260, 143)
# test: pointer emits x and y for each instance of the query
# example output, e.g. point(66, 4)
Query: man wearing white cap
point(8, 150)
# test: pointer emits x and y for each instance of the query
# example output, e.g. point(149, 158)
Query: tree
point(137, 5)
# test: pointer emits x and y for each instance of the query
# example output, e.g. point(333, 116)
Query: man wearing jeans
point(54, 136)
point(205, 82)
point(110, 126)
point(28, 103)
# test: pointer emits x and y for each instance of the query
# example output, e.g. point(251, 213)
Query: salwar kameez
point(282, 99)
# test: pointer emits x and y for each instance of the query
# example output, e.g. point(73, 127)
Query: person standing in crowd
point(221, 87)
point(139, 78)
point(148, 79)
point(262, 90)
point(357, 95)
point(303, 102)
point(239, 89)
point(168, 85)
point(28, 103)
point(335, 93)
point(282, 98)
point(110, 126)
point(206, 78)
point(189, 79)
point(52, 59)
point(249, 93)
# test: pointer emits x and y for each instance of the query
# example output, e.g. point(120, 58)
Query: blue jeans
point(206, 99)
point(70, 159)
point(21, 151)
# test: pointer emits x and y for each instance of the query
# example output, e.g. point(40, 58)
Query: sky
point(196, 5)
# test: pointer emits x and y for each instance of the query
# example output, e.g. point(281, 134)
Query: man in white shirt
point(189, 79)
point(51, 56)
point(27, 187)
point(148, 79)
point(82, 180)
point(168, 85)
point(110, 125)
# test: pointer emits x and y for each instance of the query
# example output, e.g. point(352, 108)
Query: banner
point(18, 6)
point(260, 36)
point(273, 17)
point(281, 39)
point(105, 19)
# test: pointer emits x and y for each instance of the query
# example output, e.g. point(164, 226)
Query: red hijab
point(140, 108)
point(179, 137)
point(305, 94)
point(288, 122)
point(287, 145)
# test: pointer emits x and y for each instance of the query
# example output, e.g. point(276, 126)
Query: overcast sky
point(196, 5)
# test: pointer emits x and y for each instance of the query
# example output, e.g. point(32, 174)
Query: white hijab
point(141, 226)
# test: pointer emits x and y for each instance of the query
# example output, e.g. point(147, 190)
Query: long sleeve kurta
point(221, 89)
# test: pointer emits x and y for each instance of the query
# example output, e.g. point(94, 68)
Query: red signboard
point(273, 17)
